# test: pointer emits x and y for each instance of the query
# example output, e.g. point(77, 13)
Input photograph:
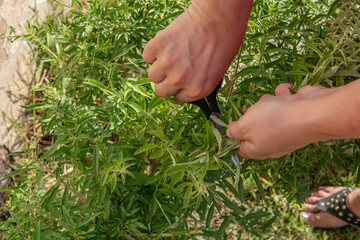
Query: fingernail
point(228, 133)
point(305, 216)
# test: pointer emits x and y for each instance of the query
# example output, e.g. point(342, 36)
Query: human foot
point(316, 218)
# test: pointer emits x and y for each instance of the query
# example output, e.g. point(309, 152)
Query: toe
point(321, 193)
point(310, 208)
point(312, 200)
point(322, 220)
point(327, 188)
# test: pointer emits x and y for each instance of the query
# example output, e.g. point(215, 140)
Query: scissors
point(209, 106)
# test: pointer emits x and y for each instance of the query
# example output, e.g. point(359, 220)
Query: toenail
point(305, 216)
point(228, 134)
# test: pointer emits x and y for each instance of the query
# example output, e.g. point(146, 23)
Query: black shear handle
point(204, 103)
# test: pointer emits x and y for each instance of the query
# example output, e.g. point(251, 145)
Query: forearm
point(231, 10)
point(336, 113)
point(230, 15)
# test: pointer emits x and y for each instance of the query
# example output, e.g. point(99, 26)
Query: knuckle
point(281, 87)
point(196, 92)
point(305, 89)
point(168, 63)
point(159, 91)
point(183, 74)
point(151, 74)
point(160, 38)
point(178, 81)
point(265, 96)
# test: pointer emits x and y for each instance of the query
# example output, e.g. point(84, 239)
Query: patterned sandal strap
point(336, 205)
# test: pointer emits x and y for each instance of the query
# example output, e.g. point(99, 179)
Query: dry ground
point(15, 76)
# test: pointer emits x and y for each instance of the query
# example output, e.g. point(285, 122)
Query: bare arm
point(278, 125)
point(339, 113)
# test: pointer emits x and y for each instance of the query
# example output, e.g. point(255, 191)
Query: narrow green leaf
point(153, 207)
point(269, 222)
point(157, 154)
point(16, 172)
point(96, 161)
point(146, 147)
point(162, 210)
point(66, 215)
point(258, 184)
point(210, 216)
point(224, 225)
point(38, 231)
point(238, 168)
point(36, 106)
point(176, 177)
point(138, 109)
point(241, 189)
point(103, 178)
point(260, 214)
point(218, 121)
point(347, 73)
point(232, 189)
point(177, 135)
point(113, 182)
point(102, 194)
point(229, 203)
point(100, 86)
point(65, 196)
point(50, 197)
point(187, 195)
point(218, 138)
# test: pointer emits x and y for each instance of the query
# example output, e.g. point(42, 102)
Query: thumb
point(234, 131)
point(245, 150)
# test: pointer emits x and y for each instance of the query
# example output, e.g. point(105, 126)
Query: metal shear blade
point(209, 106)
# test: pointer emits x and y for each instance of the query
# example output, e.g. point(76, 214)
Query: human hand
point(277, 125)
point(192, 54)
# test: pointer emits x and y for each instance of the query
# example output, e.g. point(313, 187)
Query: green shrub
point(126, 164)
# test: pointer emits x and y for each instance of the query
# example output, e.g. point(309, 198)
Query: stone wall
point(15, 73)
point(15, 77)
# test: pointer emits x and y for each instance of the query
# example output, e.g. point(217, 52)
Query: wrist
point(332, 113)
point(342, 116)
point(308, 115)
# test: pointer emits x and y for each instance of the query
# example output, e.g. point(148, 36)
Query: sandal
point(336, 205)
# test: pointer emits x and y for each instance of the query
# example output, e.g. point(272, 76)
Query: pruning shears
point(210, 107)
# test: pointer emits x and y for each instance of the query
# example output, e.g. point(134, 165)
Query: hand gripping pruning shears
point(209, 106)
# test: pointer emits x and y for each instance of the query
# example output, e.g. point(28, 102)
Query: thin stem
point(218, 201)
point(16, 221)
point(234, 76)
point(227, 149)
point(166, 235)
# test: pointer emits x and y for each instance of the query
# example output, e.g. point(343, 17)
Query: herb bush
point(126, 164)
